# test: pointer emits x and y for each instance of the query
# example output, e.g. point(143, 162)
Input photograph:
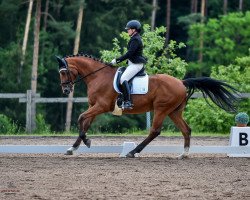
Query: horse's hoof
point(130, 155)
point(69, 152)
point(88, 143)
point(182, 156)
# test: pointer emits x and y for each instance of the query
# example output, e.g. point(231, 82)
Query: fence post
point(28, 111)
point(148, 120)
point(33, 111)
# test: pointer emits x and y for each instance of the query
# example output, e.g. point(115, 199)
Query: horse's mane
point(91, 57)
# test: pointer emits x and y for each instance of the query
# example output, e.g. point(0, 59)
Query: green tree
point(105, 19)
point(224, 39)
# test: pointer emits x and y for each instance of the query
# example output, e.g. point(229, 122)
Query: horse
point(166, 96)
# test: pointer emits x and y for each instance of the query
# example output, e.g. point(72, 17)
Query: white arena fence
point(122, 150)
point(31, 99)
point(239, 146)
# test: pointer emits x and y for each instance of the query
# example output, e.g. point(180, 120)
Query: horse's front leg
point(84, 126)
point(85, 120)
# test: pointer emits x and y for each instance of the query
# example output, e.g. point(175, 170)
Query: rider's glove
point(113, 61)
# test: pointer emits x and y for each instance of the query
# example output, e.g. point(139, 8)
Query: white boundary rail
point(123, 149)
point(28, 98)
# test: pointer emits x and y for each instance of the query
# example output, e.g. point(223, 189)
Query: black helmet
point(133, 24)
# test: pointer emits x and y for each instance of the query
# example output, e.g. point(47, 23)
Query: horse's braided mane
point(89, 56)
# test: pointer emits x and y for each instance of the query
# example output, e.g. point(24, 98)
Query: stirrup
point(127, 105)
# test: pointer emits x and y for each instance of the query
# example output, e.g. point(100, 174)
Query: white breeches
point(130, 71)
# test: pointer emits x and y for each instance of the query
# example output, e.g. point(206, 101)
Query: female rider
point(135, 59)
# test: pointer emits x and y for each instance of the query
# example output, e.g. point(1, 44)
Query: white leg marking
point(71, 150)
point(184, 154)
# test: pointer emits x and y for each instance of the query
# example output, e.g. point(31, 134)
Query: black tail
point(218, 91)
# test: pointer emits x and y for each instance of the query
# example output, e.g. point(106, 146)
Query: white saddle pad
point(139, 84)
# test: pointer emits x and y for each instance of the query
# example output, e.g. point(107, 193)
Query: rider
point(135, 60)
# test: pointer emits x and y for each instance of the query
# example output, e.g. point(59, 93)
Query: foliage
point(106, 18)
point(41, 125)
point(160, 59)
point(9, 60)
point(189, 20)
point(237, 73)
point(224, 39)
point(7, 126)
point(117, 124)
point(210, 119)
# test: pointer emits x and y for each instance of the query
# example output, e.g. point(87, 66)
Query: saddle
point(138, 84)
point(121, 70)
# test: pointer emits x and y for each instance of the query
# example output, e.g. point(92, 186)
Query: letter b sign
point(240, 137)
point(243, 139)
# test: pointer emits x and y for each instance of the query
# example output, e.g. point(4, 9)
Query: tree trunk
point(194, 6)
point(76, 48)
point(58, 7)
point(35, 62)
point(154, 5)
point(44, 28)
point(46, 15)
point(168, 17)
point(225, 7)
point(240, 5)
point(25, 41)
point(200, 58)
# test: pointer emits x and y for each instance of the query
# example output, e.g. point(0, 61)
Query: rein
point(82, 77)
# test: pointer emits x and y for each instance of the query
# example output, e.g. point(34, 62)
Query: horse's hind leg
point(176, 117)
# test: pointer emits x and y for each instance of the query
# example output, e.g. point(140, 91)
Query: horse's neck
point(95, 71)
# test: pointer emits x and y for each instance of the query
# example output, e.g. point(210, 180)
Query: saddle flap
point(118, 76)
point(139, 84)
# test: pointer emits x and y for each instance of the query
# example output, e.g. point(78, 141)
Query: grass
point(132, 133)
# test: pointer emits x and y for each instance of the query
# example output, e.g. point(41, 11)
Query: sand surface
point(106, 176)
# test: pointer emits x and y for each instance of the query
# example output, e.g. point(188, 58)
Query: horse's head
point(68, 74)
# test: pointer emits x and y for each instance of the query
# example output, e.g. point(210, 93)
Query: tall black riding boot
point(127, 97)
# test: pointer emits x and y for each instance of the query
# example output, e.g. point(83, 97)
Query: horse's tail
point(218, 91)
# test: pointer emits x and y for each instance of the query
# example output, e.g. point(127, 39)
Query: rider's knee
point(122, 80)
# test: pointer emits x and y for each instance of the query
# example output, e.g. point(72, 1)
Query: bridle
point(64, 67)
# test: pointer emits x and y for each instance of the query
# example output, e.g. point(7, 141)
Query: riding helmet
point(133, 24)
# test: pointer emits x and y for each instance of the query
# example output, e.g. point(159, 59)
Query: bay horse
point(167, 96)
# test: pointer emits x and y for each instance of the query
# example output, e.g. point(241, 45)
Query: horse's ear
point(59, 60)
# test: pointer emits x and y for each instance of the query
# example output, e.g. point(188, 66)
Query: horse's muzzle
point(66, 90)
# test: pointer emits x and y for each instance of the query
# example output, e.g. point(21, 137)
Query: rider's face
point(131, 31)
